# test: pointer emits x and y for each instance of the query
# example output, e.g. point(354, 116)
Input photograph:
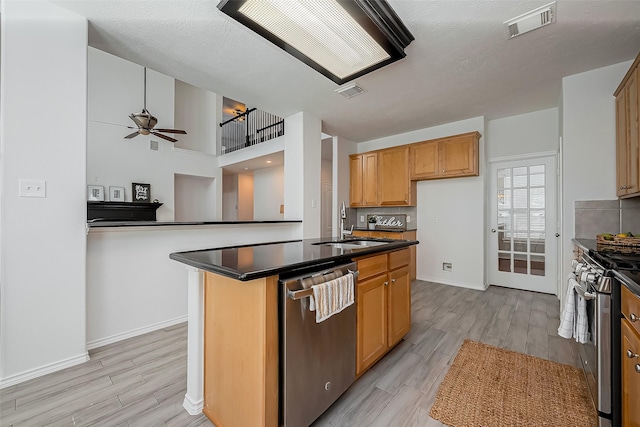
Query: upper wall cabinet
point(450, 157)
point(395, 187)
point(364, 179)
point(628, 133)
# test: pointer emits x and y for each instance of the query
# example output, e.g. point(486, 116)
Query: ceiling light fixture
point(341, 39)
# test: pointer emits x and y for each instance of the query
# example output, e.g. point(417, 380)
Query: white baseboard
point(482, 287)
point(43, 370)
point(135, 332)
point(193, 407)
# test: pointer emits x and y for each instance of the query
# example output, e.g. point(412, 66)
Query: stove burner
point(618, 261)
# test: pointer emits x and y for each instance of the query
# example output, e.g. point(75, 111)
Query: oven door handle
point(584, 293)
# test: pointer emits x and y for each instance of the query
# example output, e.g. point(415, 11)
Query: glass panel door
point(521, 197)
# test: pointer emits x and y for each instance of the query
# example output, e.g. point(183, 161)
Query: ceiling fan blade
point(168, 138)
point(132, 135)
point(181, 132)
point(136, 121)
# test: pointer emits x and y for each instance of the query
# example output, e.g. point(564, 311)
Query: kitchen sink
point(352, 244)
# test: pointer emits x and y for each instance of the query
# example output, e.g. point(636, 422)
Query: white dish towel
point(573, 320)
point(332, 297)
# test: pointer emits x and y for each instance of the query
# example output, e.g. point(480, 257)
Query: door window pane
point(520, 177)
point(537, 265)
point(504, 262)
point(520, 263)
point(537, 198)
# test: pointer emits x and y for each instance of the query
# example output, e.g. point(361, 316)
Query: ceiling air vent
point(350, 90)
point(530, 21)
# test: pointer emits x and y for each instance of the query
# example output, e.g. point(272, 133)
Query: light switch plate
point(361, 218)
point(408, 219)
point(33, 188)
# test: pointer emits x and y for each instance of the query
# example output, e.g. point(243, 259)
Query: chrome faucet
point(343, 216)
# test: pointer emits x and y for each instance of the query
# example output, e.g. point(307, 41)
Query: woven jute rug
point(488, 386)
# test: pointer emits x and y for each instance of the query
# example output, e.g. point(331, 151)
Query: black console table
point(121, 211)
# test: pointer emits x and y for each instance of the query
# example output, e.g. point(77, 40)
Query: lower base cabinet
point(405, 235)
point(384, 306)
point(630, 334)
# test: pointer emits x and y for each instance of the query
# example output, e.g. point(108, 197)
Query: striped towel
point(567, 318)
point(581, 333)
point(332, 297)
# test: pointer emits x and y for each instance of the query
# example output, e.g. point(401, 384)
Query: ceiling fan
point(146, 122)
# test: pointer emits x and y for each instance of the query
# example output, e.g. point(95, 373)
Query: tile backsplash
point(593, 217)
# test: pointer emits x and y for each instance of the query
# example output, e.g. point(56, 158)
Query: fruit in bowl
point(624, 235)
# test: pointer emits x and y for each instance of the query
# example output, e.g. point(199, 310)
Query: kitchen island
point(233, 319)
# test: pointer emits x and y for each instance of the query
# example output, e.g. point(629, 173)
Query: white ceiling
point(460, 65)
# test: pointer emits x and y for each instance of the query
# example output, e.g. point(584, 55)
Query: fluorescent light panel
point(322, 29)
point(341, 39)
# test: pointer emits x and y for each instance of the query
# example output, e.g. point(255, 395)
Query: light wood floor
point(141, 381)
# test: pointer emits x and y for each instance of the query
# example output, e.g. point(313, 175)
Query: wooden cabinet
point(364, 179)
point(450, 157)
point(628, 133)
point(387, 177)
point(404, 235)
point(395, 188)
point(630, 327)
point(384, 305)
point(381, 178)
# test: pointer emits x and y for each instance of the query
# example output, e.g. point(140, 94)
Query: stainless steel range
point(599, 356)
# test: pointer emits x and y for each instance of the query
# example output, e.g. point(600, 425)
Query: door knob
point(493, 230)
point(557, 234)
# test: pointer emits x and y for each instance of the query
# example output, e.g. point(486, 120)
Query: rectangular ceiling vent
point(530, 21)
point(350, 90)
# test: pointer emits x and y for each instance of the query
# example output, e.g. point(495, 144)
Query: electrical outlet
point(408, 219)
point(361, 218)
point(447, 266)
point(33, 188)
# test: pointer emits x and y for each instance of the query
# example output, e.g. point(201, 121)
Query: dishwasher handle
point(304, 293)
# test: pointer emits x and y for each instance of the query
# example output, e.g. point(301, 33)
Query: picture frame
point(95, 193)
point(116, 194)
point(140, 193)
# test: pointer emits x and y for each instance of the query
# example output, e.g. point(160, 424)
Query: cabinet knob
point(386, 283)
point(631, 354)
point(637, 368)
point(633, 317)
point(393, 280)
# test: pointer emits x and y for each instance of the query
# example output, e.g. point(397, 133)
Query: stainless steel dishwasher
point(317, 360)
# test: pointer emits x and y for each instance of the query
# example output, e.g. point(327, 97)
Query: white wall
point(588, 145)
point(194, 198)
point(115, 90)
point(268, 193)
point(43, 77)
point(523, 134)
point(451, 213)
point(195, 112)
point(134, 287)
point(302, 158)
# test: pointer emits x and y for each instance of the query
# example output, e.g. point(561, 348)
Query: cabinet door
point(458, 156)
point(355, 174)
point(370, 179)
point(632, 124)
point(424, 160)
point(399, 295)
point(621, 143)
point(371, 321)
point(630, 376)
point(394, 184)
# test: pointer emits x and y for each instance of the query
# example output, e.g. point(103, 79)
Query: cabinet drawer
point(371, 266)
point(399, 259)
point(631, 305)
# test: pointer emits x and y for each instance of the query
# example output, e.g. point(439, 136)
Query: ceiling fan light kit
point(341, 39)
point(146, 122)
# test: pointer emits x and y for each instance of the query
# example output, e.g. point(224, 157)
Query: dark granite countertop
point(586, 244)
point(268, 259)
point(106, 224)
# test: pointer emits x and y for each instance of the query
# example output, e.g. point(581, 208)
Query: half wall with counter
point(132, 285)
